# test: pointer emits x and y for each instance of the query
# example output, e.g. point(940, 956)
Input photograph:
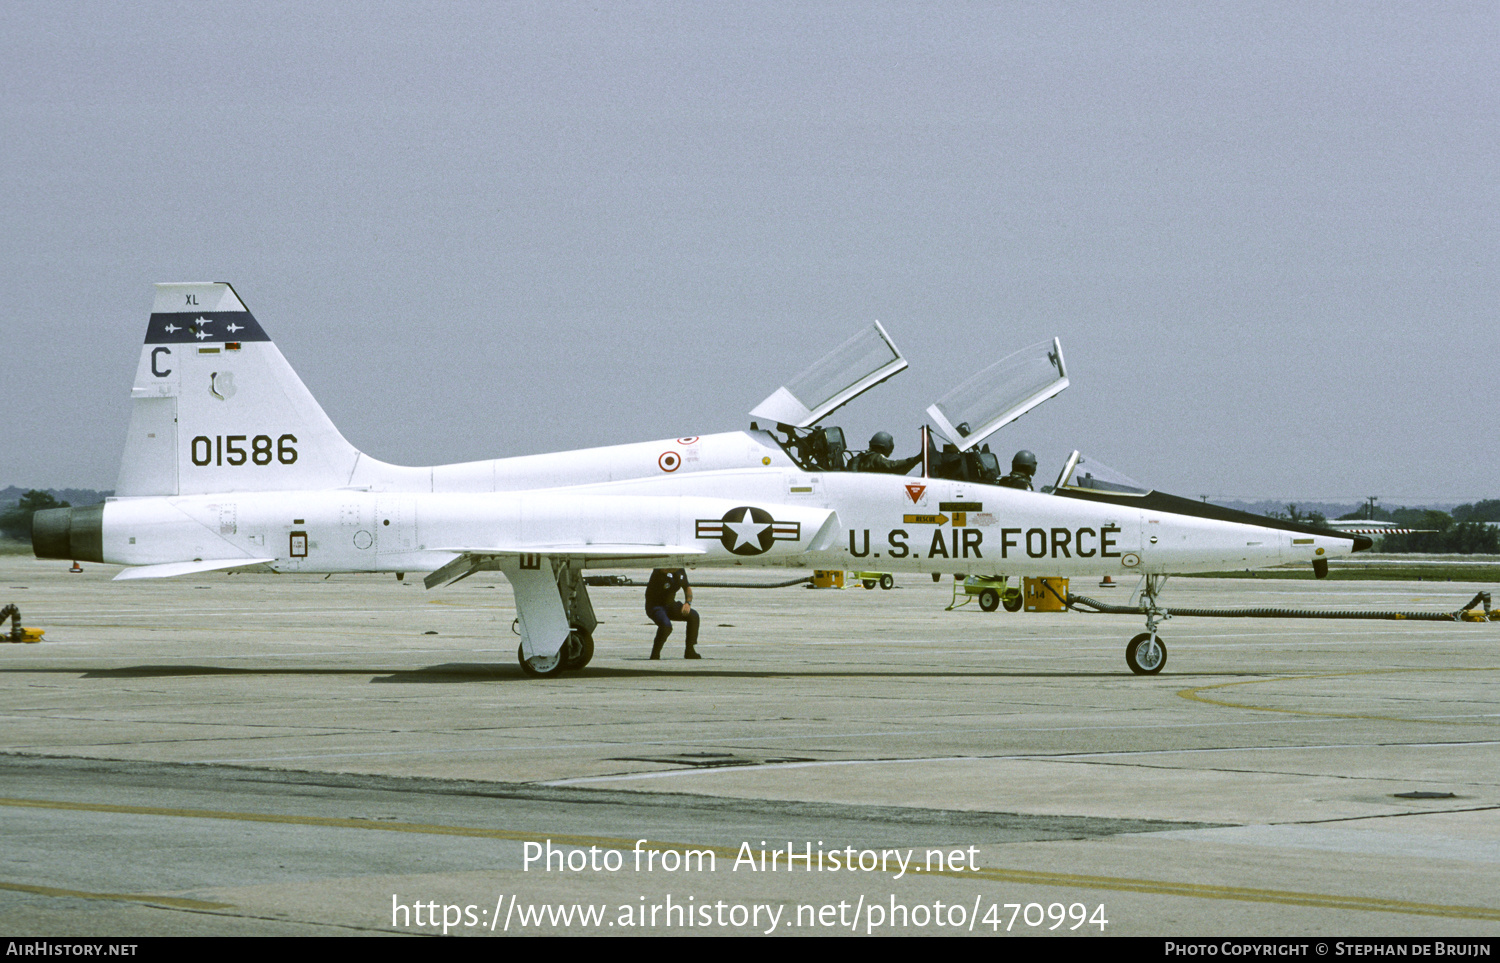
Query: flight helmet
point(882, 443)
point(1024, 463)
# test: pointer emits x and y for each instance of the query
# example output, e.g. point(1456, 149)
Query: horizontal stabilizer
point(169, 569)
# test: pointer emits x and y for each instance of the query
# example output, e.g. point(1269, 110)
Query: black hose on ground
point(14, 614)
point(756, 585)
point(1100, 607)
point(615, 581)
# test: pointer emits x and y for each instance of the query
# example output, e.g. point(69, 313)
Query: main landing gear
point(555, 600)
point(579, 649)
point(574, 654)
point(1147, 653)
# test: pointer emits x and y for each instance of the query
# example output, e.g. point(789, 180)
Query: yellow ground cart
point(990, 591)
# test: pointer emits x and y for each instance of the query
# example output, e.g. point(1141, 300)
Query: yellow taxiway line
point(1193, 695)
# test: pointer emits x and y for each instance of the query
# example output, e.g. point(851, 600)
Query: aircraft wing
point(471, 560)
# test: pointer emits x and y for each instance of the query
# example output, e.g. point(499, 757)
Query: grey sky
point(1266, 234)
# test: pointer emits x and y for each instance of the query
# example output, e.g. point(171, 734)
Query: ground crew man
point(663, 608)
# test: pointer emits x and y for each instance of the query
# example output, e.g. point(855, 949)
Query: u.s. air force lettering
point(1083, 542)
point(748, 531)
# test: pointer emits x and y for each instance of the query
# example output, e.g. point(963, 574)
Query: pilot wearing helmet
point(1022, 468)
point(878, 458)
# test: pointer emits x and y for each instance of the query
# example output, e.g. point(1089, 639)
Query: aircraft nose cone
point(1363, 543)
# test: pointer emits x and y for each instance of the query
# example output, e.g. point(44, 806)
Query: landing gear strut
point(1147, 653)
point(554, 599)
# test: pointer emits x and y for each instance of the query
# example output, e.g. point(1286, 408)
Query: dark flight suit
point(876, 462)
point(1017, 479)
point(663, 608)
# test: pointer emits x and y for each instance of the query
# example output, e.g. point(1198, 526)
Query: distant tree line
point(1292, 514)
point(1463, 531)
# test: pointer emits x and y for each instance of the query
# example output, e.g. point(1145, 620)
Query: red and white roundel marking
point(669, 461)
point(689, 440)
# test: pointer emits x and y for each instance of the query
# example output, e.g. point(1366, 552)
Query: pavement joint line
point(1067, 757)
point(1070, 880)
point(1192, 695)
point(761, 743)
point(1362, 818)
point(172, 902)
point(1040, 757)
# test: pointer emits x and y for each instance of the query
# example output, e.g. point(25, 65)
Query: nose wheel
point(1146, 654)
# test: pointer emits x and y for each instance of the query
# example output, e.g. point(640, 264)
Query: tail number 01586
point(231, 450)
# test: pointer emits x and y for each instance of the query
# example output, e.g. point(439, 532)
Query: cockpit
point(953, 445)
point(1091, 475)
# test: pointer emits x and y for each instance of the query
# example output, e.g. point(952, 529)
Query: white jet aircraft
point(231, 464)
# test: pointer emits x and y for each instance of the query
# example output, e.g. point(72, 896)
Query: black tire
point(887, 581)
point(937, 576)
point(544, 667)
point(868, 583)
point(1133, 653)
point(989, 600)
point(579, 649)
point(1012, 601)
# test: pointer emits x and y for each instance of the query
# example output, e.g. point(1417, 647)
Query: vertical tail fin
point(216, 408)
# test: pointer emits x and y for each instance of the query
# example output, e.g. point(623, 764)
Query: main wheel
point(1012, 600)
point(868, 583)
point(579, 649)
point(887, 581)
point(1144, 658)
point(541, 666)
point(989, 600)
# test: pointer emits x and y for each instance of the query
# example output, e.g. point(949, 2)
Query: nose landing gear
point(1147, 653)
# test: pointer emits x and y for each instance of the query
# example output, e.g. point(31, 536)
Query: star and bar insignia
point(748, 531)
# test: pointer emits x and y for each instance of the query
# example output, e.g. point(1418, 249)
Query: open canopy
point(1000, 394)
point(836, 379)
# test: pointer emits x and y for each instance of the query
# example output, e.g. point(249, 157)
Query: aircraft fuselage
point(817, 520)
